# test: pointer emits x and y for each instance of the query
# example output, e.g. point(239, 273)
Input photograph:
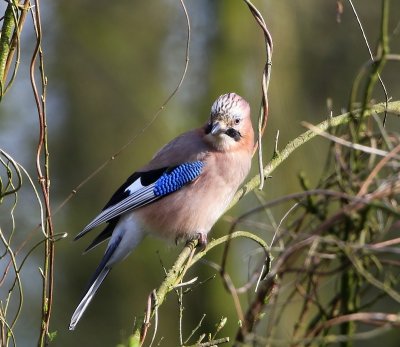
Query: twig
point(147, 318)
point(263, 117)
point(155, 305)
point(377, 168)
point(9, 43)
point(374, 318)
point(377, 68)
point(343, 142)
point(5, 38)
point(212, 343)
point(196, 328)
point(44, 177)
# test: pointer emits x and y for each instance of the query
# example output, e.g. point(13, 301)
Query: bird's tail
point(88, 297)
point(97, 279)
point(126, 236)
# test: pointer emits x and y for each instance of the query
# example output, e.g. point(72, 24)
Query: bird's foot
point(201, 238)
point(202, 241)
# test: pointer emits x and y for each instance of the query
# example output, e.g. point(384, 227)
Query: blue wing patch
point(174, 180)
point(141, 189)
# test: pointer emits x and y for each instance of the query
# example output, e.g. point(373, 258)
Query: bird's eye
point(237, 120)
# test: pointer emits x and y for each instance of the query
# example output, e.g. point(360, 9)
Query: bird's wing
point(143, 188)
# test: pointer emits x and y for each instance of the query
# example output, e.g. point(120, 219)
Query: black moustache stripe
point(233, 133)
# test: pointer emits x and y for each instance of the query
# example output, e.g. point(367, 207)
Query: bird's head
point(229, 126)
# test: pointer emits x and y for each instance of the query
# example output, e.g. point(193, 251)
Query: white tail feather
point(88, 298)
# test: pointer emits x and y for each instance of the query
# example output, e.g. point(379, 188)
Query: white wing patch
point(134, 186)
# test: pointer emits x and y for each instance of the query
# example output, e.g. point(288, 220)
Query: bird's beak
point(216, 128)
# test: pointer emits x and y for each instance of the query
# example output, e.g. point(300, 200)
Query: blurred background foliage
point(110, 66)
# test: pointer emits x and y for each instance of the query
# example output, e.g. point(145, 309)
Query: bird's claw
point(202, 241)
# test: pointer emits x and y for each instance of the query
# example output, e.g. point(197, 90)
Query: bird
point(180, 193)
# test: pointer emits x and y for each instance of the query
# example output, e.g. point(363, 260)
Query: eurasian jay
point(180, 193)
